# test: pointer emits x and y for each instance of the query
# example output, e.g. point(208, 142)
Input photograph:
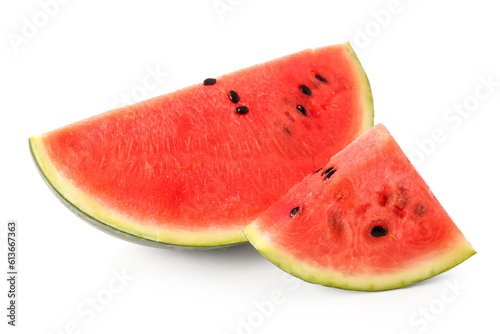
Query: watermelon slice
point(195, 166)
point(366, 221)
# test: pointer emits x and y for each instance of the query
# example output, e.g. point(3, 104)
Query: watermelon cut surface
point(195, 166)
point(366, 221)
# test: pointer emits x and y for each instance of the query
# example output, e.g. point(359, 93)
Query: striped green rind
point(51, 179)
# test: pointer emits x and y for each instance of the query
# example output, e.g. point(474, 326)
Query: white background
point(422, 59)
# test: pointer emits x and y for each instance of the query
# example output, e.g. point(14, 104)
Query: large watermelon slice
point(195, 166)
point(366, 221)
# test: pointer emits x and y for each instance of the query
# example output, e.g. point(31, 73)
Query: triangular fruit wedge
point(195, 166)
point(366, 221)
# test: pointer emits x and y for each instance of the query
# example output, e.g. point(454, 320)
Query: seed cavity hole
point(336, 223)
point(420, 210)
point(401, 198)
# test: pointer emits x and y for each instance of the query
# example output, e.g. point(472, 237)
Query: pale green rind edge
point(50, 182)
point(367, 95)
point(321, 276)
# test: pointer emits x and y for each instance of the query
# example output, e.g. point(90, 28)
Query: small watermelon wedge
point(366, 221)
point(193, 167)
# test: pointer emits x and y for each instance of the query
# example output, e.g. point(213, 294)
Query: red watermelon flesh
point(366, 221)
point(190, 167)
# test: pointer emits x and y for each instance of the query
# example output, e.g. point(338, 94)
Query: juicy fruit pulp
point(195, 166)
point(373, 224)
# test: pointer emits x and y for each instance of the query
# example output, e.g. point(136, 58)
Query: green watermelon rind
point(51, 182)
point(366, 95)
point(110, 222)
point(308, 272)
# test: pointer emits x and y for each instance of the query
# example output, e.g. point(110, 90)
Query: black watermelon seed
point(318, 171)
point(287, 130)
point(330, 174)
point(209, 82)
point(241, 110)
point(327, 171)
point(302, 110)
point(304, 89)
point(320, 78)
point(294, 211)
point(378, 231)
point(234, 97)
